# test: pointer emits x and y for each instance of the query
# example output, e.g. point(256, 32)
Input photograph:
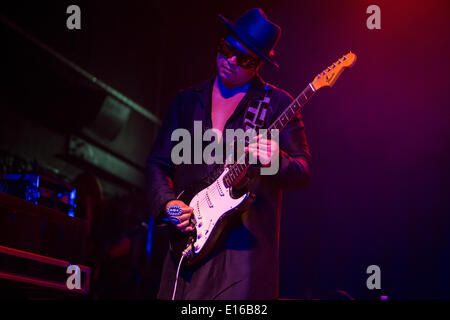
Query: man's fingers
point(264, 141)
point(264, 158)
point(184, 221)
point(260, 151)
point(182, 225)
point(258, 137)
point(184, 217)
point(261, 147)
point(256, 155)
point(186, 209)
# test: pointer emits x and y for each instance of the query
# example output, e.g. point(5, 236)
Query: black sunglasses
point(244, 60)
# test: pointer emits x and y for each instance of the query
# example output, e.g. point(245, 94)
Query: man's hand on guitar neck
point(265, 150)
point(185, 217)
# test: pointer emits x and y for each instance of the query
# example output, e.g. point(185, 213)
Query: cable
point(176, 279)
point(185, 253)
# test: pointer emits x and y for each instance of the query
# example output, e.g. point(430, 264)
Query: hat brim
point(244, 41)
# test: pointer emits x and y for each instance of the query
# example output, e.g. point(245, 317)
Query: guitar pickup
point(198, 211)
point(208, 200)
point(220, 189)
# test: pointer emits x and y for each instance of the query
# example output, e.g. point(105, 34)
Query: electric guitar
point(215, 200)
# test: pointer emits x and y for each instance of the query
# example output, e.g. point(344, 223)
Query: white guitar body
point(213, 208)
point(210, 205)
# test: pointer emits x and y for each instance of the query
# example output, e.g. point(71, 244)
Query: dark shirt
point(245, 265)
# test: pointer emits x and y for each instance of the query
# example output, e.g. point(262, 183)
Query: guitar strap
point(256, 111)
point(254, 119)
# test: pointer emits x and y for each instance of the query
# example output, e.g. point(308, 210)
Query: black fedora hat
point(256, 32)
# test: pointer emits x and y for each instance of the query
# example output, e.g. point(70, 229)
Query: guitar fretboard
point(236, 169)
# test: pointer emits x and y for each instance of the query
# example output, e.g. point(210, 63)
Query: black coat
point(245, 266)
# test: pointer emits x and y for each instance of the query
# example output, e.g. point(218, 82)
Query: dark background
point(380, 138)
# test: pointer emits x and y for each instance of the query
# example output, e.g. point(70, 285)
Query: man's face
point(236, 65)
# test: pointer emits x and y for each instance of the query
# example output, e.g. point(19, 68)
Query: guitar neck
point(294, 107)
point(236, 170)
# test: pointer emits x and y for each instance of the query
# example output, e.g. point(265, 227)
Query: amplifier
point(35, 228)
point(40, 189)
point(42, 271)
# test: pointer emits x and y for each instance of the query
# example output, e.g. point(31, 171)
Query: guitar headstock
point(329, 76)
